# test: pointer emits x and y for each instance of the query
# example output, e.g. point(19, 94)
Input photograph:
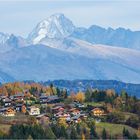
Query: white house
point(34, 110)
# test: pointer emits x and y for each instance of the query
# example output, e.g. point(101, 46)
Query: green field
point(128, 115)
point(19, 118)
point(94, 104)
point(113, 129)
point(6, 122)
point(4, 128)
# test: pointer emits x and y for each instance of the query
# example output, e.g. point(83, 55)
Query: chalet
point(79, 105)
point(98, 111)
point(53, 99)
point(11, 97)
point(61, 109)
point(19, 96)
point(75, 111)
point(7, 102)
point(33, 110)
point(2, 110)
point(66, 115)
point(9, 112)
point(58, 109)
point(83, 115)
point(59, 114)
point(19, 107)
point(43, 99)
point(3, 97)
point(49, 99)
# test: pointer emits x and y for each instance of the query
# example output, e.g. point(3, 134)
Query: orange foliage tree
point(23, 109)
point(80, 96)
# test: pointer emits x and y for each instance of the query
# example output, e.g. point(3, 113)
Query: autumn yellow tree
point(83, 136)
point(80, 96)
point(4, 91)
point(72, 96)
point(62, 122)
point(110, 92)
point(109, 107)
point(118, 103)
point(32, 120)
point(23, 109)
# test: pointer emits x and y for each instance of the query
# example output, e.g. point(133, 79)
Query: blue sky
point(20, 17)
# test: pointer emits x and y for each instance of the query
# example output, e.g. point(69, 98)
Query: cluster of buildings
point(73, 112)
point(69, 113)
point(10, 105)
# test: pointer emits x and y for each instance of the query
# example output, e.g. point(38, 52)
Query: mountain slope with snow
point(43, 63)
point(56, 26)
point(115, 37)
point(97, 51)
point(9, 42)
point(59, 50)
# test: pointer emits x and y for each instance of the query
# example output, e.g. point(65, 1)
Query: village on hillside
point(32, 105)
point(48, 106)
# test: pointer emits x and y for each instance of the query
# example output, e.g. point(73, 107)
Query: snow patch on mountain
point(3, 38)
point(41, 63)
point(56, 26)
point(124, 56)
point(120, 37)
point(9, 42)
point(63, 51)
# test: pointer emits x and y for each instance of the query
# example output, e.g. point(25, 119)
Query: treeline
point(29, 132)
point(117, 106)
point(31, 88)
point(121, 102)
point(54, 131)
point(99, 84)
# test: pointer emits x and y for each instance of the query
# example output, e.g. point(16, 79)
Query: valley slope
point(41, 63)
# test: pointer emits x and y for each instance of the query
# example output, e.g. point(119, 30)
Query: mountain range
point(57, 49)
point(83, 85)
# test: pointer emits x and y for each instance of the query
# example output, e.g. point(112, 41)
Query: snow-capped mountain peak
point(10, 41)
point(3, 37)
point(56, 26)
